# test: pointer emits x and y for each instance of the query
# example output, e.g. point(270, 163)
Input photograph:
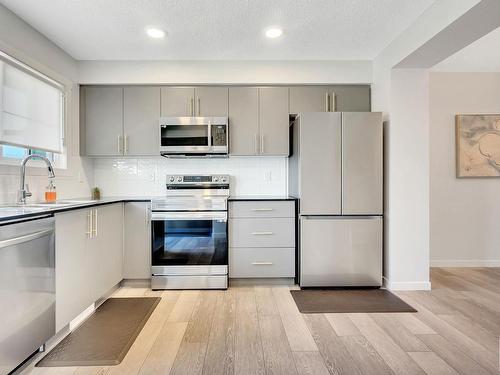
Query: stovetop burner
point(194, 193)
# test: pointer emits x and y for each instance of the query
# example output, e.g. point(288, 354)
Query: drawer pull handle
point(262, 263)
point(262, 209)
point(262, 233)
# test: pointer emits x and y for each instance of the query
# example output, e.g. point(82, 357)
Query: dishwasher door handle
point(25, 238)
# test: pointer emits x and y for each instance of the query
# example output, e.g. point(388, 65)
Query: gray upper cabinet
point(243, 120)
point(189, 101)
point(103, 117)
point(350, 98)
point(308, 99)
point(211, 101)
point(273, 120)
point(120, 121)
point(177, 101)
point(362, 163)
point(140, 120)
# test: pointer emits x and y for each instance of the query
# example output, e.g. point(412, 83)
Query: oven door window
point(184, 135)
point(189, 242)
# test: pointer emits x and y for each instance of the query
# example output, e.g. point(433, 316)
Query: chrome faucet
point(23, 189)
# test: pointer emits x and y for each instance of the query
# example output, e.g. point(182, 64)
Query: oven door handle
point(163, 216)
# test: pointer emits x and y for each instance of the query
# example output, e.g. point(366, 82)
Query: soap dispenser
point(50, 193)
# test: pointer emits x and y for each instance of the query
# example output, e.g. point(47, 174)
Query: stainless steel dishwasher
point(27, 289)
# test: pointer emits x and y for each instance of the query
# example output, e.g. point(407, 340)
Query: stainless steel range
point(189, 233)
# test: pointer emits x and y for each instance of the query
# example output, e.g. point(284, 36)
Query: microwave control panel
point(219, 135)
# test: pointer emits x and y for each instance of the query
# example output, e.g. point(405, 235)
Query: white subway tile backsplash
point(147, 176)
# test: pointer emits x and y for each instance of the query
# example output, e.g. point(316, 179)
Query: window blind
point(31, 107)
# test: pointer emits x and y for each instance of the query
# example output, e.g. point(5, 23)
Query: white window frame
point(60, 161)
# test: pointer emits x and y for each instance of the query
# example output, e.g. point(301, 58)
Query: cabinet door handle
point(191, 106)
point(334, 103)
point(95, 223)
point(120, 149)
point(125, 144)
point(262, 209)
point(89, 224)
point(262, 233)
point(262, 144)
point(199, 105)
point(262, 263)
point(255, 144)
point(327, 101)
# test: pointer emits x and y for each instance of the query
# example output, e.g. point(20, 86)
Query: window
point(32, 111)
point(12, 155)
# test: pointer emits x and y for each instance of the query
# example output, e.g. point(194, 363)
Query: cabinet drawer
point(261, 262)
point(265, 232)
point(262, 209)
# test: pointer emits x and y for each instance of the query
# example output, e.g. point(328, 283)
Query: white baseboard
point(465, 263)
point(407, 285)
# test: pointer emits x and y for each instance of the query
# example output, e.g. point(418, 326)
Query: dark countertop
point(262, 198)
point(13, 213)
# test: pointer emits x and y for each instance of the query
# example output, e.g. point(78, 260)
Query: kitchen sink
point(19, 209)
point(44, 205)
point(61, 203)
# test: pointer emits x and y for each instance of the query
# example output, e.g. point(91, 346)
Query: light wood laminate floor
point(258, 330)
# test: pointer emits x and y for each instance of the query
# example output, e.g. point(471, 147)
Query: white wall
point(407, 172)
point(464, 213)
point(147, 176)
point(225, 72)
point(406, 147)
point(23, 42)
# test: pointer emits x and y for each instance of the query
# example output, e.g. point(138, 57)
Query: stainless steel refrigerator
point(336, 171)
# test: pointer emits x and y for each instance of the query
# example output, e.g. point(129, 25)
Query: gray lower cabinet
point(73, 294)
point(137, 241)
point(262, 262)
point(106, 250)
point(140, 120)
point(102, 114)
point(89, 258)
point(243, 120)
point(261, 239)
point(262, 232)
point(274, 121)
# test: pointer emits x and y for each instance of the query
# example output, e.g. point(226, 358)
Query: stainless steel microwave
point(194, 136)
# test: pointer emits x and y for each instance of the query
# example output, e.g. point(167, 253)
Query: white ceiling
point(220, 29)
point(481, 56)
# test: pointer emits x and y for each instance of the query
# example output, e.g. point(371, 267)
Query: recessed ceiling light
point(154, 32)
point(274, 32)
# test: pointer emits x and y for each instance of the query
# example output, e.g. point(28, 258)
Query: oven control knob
point(215, 179)
point(171, 179)
point(179, 179)
point(223, 179)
